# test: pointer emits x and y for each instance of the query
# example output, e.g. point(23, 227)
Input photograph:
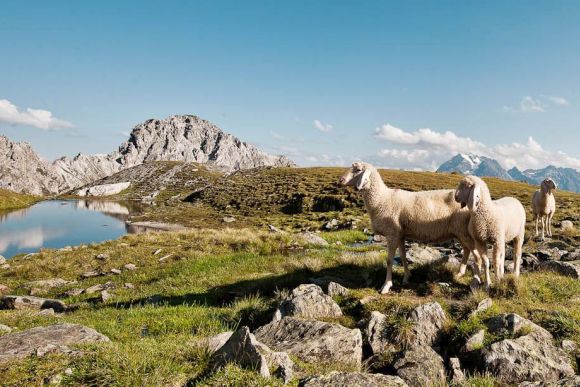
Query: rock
point(422, 255)
point(104, 189)
point(22, 344)
point(474, 341)
point(375, 333)
point(378, 238)
point(420, 366)
point(572, 381)
point(313, 239)
point(313, 341)
point(429, 320)
point(4, 289)
point(336, 289)
point(571, 256)
point(308, 301)
point(6, 266)
point(74, 292)
point(531, 357)
point(553, 254)
point(41, 286)
point(128, 285)
point(46, 312)
point(99, 287)
point(331, 225)
point(5, 328)
point(274, 229)
point(116, 271)
point(456, 373)
point(30, 302)
point(214, 343)
point(564, 268)
point(103, 256)
point(569, 346)
point(241, 348)
point(2, 260)
point(55, 380)
point(567, 225)
point(228, 219)
point(353, 379)
point(130, 266)
point(105, 296)
point(90, 274)
point(483, 305)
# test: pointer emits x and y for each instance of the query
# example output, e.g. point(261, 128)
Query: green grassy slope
point(11, 200)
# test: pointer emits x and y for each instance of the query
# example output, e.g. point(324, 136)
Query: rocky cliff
point(177, 138)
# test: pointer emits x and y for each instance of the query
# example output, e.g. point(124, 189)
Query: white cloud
point(427, 149)
point(540, 104)
point(37, 118)
point(276, 135)
point(322, 126)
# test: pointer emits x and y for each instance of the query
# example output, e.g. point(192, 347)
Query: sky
point(401, 84)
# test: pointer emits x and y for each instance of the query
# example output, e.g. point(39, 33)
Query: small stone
point(228, 219)
point(569, 346)
point(2, 260)
point(331, 225)
point(377, 238)
point(128, 285)
point(130, 266)
point(106, 296)
point(313, 239)
point(46, 312)
point(68, 371)
point(55, 380)
point(483, 305)
point(274, 229)
point(5, 328)
point(116, 271)
point(90, 274)
point(74, 292)
point(474, 342)
point(336, 289)
point(457, 375)
point(567, 225)
point(103, 256)
point(99, 287)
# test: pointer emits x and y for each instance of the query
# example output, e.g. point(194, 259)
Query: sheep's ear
point(474, 196)
point(363, 179)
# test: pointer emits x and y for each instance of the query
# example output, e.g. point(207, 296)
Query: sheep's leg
point(463, 266)
point(392, 248)
point(403, 255)
point(543, 220)
point(497, 260)
point(537, 218)
point(482, 249)
point(549, 220)
point(518, 243)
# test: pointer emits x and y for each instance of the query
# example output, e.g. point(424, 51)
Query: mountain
point(469, 164)
point(185, 138)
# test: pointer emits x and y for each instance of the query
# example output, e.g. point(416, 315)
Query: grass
point(217, 280)
point(11, 200)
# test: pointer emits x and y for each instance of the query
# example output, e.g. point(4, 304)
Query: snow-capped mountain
point(469, 164)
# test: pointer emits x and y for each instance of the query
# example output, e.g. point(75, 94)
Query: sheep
point(544, 205)
point(427, 216)
point(495, 222)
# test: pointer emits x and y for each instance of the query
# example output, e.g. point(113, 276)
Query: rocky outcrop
point(428, 322)
point(104, 189)
point(532, 357)
point(185, 138)
point(308, 301)
point(40, 340)
point(313, 341)
point(564, 268)
point(353, 379)
point(375, 333)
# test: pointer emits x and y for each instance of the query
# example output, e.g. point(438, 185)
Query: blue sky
point(403, 84)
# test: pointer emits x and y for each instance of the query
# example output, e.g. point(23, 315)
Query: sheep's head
point(548, 185)
point(468, 192)
point(357, 176)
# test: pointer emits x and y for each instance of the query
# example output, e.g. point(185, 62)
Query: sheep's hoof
point(386, 287)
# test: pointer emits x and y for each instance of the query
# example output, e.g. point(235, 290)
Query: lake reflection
point(59, 223)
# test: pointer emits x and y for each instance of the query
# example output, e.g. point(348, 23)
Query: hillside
point(10, 200)
point(292, 198)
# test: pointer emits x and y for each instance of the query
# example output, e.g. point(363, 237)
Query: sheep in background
point(496, 222)
point(544, 205)
point(427, 216)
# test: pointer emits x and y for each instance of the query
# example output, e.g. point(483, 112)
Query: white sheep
point(426, 216)
point(544, 205)
point(496, 222)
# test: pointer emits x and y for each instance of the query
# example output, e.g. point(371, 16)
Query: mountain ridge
point(187, 138)
point(471, 164)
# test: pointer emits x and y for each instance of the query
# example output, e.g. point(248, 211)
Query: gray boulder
point(55, 338)
point(567, 225)
point(456, 373)
point(241, 348)
point(336, 289)
point(37, 287)
point(375, 333)
point(429, 320)
point(474, 341)
point(420, 366)
point(353, 379)
point(30, 302)
point(564, 268)
point(99, 287)
point(422, 255)
point(308, 301)
point(313, 341)
point(532, 357)
point(313, 239)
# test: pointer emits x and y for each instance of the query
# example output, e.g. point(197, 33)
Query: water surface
point(60, 223)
